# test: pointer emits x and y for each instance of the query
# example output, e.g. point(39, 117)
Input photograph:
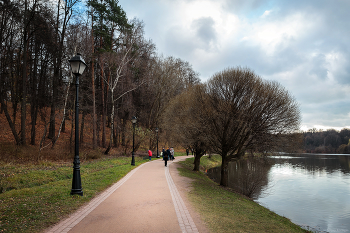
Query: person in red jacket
point(150, 154)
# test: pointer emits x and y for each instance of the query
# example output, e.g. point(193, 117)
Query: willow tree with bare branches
point(241, 111)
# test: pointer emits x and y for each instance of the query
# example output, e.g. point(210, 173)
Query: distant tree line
point(329, 141)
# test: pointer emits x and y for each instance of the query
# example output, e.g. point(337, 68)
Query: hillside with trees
point(125, 76)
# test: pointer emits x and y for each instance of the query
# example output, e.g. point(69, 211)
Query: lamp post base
point(133, 159)
point(76, 191)
point(76, 182)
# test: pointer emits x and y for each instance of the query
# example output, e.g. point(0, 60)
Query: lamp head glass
point(134, 119)
point(77, 64)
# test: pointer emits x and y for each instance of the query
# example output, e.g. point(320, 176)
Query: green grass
point(35, 197)
point(226, 211)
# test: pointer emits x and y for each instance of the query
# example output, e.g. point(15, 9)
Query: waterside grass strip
point(225, 211)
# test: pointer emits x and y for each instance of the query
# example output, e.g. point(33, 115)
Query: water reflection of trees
point(246, 176)
point(316, 162)
point(250, 176)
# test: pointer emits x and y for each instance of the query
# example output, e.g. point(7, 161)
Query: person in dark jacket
point(165, 157)
point(169, 153)
point(163, 153)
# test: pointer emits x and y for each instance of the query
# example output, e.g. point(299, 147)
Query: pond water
point(312, 190)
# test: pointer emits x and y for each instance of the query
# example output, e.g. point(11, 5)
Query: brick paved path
point(145, 200)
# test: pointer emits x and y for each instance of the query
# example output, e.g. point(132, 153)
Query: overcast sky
point(302, 44)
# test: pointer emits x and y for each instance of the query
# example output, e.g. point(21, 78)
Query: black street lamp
point(78, 66)
point(133, 120)
point(157, 142)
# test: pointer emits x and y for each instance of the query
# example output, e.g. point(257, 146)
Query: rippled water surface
point(311, 190)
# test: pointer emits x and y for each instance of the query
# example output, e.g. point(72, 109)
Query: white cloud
point(266, 13)
point(279, 33)
point(302, 44)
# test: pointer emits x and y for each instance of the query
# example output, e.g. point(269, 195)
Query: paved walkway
point(145, 200)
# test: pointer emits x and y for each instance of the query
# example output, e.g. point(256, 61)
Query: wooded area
point(125, 76)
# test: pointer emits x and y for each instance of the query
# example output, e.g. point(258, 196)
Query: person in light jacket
point(172, 153)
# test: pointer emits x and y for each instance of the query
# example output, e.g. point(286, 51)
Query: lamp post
point(133, 120)
point(157, 142)
point(78, 66)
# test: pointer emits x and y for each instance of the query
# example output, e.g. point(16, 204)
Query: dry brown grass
point(63, 150)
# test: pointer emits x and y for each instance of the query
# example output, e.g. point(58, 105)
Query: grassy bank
point(226, 211)
point(34, 197)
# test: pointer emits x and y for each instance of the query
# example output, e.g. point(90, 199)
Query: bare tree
point(117, 62)
point(63, 16)
point(181, 121)
point(243, 112)
point(169, 77)
point(233, 112)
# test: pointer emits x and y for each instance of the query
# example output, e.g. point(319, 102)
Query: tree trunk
point(112, 122)
point(64, 125)
point(34, 111)
point(103, 125)
point(98, 120)
point(12, 125)
point(24, 78)
point(52, 127)
point(94, 130)
point(123, 133)
point(224, 172)
point(115, 139)
point(103, 109)
point(197, 160)
point(14, 110)
point(117, 133)
point(34, 104)
point(94, 142)
point(60, 37)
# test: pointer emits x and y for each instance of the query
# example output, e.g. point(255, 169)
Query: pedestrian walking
point(149, 154)
point(172, 153)
point(163, 153)
point(165, 157)
point(187, 151)
point(169, 153)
